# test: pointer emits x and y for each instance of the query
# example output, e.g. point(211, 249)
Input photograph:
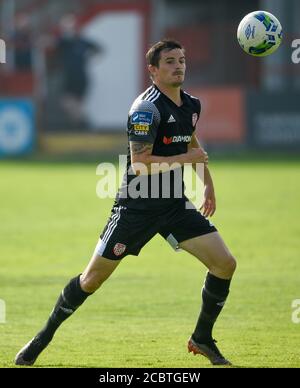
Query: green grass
point(143, 315)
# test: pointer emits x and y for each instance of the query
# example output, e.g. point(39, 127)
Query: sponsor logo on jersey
point(167, 140)
point(140, 133)
point(119, 249)
point(139, 127)
point(141, 118)
point(194, 118)
point(177, 139)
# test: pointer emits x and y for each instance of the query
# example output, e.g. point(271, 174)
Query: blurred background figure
point(73, 53)
point(22, 42)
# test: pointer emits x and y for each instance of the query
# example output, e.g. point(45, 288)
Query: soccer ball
point(259, 33)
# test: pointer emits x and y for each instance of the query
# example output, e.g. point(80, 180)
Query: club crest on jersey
point(119, 249)
point(141, 118)
point(194, 119)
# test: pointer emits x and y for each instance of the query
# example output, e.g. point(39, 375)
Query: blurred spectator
point(22, 43)
point(73, 51)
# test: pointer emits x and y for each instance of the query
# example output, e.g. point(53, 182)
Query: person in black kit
point(160, 128)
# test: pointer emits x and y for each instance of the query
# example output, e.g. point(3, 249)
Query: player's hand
point(208, 206)
point(197, 155)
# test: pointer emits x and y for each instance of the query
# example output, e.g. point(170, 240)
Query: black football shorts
point(128, 230)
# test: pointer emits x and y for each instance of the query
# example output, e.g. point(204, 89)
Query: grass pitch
point(143, 315)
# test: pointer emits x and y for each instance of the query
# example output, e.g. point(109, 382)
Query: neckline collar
point(182, 95)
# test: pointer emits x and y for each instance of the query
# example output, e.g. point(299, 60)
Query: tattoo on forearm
point(139, 147)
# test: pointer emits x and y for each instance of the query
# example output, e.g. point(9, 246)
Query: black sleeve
point(143, 121)
point(197, 114)
point(199, 106)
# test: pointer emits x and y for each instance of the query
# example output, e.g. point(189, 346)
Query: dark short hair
point(153, 54)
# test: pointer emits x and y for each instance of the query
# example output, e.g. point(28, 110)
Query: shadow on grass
point(70, 366)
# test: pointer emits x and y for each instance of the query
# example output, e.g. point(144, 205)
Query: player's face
point(171, 69)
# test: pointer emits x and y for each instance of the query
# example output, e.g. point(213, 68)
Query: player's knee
point(230, 265)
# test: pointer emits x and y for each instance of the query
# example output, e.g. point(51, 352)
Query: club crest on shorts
point(194, 118)
point(119, 249)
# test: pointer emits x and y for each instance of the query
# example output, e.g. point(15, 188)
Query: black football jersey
point(154, 118)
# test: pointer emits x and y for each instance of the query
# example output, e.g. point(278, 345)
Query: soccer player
point(160, 127)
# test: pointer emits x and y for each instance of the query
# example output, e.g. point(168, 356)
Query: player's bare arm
point(208, 206)
point(140, 153)
point(138, 148)
point(143, 161)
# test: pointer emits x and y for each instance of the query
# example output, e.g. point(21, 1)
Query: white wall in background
point(116, 75)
